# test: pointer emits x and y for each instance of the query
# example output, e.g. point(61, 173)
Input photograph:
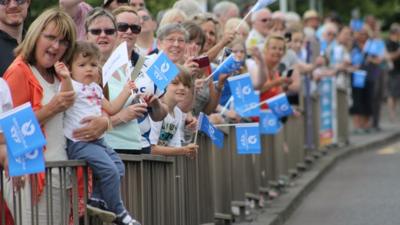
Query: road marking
point(389, 150)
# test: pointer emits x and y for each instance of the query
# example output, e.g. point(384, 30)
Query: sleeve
point(155, 131)
point(177, 138)
point(19, 85)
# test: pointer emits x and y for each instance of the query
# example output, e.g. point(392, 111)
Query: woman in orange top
point(269, 82)
point(31, 78)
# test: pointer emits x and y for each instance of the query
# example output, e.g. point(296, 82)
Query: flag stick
point(226, 105)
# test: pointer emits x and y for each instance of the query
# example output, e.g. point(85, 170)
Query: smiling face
point(50, 47)
point(13, 14)
point(274, 51)
point(104, 41)
point(174, 46)
point(176, 91)
point(85, 70)
point(297, 41)
point(128, 36)
point(210, 31)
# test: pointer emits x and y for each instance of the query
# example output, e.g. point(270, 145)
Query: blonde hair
point(64, 26)
point(124, 8)
point(171, 15)
point(232, 23)
point(274, 37)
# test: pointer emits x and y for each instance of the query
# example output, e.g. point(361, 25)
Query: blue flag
point(248, 138)
point(359, 77)
point(162, 71)
point(269, 122)
point(229, 65)
point(32, 162)
point(245, 100)
point(21, 130)
point(280, 106)
point(261, 4)
point(217, 137)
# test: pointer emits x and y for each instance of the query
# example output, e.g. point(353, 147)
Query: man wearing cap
point(311, 23)
point(77, 9)
point(110, 5)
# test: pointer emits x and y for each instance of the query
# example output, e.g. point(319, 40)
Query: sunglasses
point(109, 31)
point(145, 18)
point(122, 1)
point(6, 2)
point(265, 20)
point(123, 27)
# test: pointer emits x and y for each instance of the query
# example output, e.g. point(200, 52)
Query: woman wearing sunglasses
point(149, 104)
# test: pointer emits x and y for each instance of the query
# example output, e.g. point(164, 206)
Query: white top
point(255, 38)
point(167, 132)
point(56, 142)
point(87, 103)
point(5, 97)
point(146, 85)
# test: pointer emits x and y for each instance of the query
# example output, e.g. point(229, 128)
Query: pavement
point(278, 211)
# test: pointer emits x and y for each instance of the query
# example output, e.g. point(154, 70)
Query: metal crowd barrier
point(58, 174)
point(148, 188)
point(343, 119)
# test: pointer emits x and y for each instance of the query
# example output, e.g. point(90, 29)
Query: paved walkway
point(280, 209)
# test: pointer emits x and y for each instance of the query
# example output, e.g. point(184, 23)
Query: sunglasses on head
point(109, 31)
point(123, 27)
point(122, 1)
point(6, 2)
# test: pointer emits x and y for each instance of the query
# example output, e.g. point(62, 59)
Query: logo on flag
point(270, 123)
point(245, 99)
point(21, 130)
point(119, 59)
point(248, 138)
point(162, 71)
point(216, 136)
point(280, 106)
point(31, 162)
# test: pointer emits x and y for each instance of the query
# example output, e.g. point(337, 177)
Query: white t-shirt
point(167, 132)
point(5, 97)
point(144, 85)
point(87, 103)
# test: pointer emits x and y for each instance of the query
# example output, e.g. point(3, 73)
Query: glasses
point(175, 40)
point(122, 1)
point(138, 5)
point(6, 2)
point(123, 27)
point(109, 31)
point(145, 18)
point(265, 20)
point(205, 17)
point(53, 39)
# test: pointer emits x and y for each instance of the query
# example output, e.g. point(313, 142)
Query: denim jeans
point(107, 170)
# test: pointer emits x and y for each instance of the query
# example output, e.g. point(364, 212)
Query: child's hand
point(130, 86)
point(62, 70)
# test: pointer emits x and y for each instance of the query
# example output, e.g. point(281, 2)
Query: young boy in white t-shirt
point(165, 136)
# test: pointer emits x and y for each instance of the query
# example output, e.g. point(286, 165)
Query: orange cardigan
point(24, 88)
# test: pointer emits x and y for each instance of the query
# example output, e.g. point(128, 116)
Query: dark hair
point(195, 32)
point(85, 49)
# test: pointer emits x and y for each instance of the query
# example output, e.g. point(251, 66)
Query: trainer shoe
point(98, 209)
point(125, 219)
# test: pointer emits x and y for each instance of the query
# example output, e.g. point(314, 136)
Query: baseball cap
point(310, 14)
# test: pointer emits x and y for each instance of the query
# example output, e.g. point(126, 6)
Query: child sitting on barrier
point(165, 136)
point(107, 167)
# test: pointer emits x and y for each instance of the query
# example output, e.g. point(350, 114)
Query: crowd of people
point(56, 66)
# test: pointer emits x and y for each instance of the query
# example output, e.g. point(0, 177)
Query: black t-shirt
point(391, 47)
point(7, 46)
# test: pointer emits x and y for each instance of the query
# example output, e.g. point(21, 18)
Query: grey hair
point(96, 13)
point(190, 7)
point(255, 14)
point(168, 29)
point(222, 7)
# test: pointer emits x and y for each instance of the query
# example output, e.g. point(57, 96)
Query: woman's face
point(102, 33)
point(50, 47)
point(210, 31)
point(127, 26)
point(174, 46)
point(274, 52)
